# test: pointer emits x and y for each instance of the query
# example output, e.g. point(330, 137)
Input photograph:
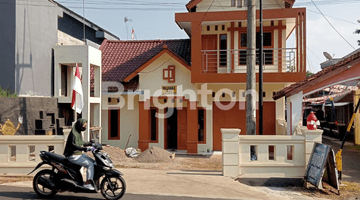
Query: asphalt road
point(14, 193)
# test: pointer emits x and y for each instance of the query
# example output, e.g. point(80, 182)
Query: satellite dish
point(327, 55)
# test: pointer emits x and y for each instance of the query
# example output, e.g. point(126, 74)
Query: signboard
point(168, 90)
point(318, 159)
point(331, 173)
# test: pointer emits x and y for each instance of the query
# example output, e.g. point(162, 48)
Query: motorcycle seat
point(60, 158)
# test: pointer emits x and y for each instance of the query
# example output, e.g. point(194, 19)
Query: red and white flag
point(77, 95)
point(132, 34)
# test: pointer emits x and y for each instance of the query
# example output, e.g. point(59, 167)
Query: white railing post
point(230, 152)
point(311, 136)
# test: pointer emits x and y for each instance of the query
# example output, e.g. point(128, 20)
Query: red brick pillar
point(192, 127)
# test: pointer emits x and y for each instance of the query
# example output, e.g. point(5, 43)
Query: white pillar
point(230, 152)
point(311, 136)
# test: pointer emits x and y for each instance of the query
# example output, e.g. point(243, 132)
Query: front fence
point(19, 154)
point(266, 156)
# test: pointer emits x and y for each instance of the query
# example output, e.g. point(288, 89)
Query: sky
point(155, 19)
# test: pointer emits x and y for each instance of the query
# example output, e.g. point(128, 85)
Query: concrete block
point(231, 159)
point(231, 147)
point(232, 171)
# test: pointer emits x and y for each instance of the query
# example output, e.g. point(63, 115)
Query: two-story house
point(178, 94)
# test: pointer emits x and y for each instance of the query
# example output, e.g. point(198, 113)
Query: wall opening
point(253, 153)
point(271, 152)
point(32, 153)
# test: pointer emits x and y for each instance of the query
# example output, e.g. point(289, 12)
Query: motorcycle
point(66, 176)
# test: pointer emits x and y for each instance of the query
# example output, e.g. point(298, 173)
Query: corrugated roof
point(346, 59)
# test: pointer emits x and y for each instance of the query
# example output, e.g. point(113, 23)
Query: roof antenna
point(127, 20)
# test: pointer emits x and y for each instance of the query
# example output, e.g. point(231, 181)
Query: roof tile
point(121, 58)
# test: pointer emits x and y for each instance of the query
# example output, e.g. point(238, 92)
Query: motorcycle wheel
point(40, 190)
point(113, 187)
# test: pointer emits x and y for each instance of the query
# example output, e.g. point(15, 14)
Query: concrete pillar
point(230, 152)
point(311, 136)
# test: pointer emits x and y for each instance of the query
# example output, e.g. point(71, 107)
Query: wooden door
point(182, 128)
point(209, 42)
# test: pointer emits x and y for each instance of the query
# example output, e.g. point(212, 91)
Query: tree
point(308, 74)
point(357, 31)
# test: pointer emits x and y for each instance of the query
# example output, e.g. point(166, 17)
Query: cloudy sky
point(154, 19)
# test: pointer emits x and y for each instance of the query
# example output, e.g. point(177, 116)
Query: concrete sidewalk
point(205, 184)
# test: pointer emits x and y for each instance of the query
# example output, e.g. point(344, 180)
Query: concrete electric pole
point(250, 69)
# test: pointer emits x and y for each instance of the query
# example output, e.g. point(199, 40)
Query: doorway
point(171, 131)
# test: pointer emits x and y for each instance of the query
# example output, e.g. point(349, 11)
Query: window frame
point(241, 48)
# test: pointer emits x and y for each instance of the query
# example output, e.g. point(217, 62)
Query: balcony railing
point(234, 61)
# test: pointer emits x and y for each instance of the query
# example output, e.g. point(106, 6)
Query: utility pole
point(261, 61)
point(250, 69)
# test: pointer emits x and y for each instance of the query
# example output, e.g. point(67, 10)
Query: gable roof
point(122, 58)
point(299, 86)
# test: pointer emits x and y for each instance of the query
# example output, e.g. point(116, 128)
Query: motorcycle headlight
point(106, 168)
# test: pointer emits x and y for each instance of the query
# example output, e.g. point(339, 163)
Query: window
point(169, 74)
point(271, 152)
point(223, 48)
point(239, 3)
point(223, 27)
point(114, 124)
point(201, 125)
point(153, 124)
point(233, 3)
point(267, 42)
point(216, 27)
point(64, 80)
point(208, 28)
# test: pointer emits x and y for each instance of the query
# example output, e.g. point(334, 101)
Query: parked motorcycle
point(66, 176)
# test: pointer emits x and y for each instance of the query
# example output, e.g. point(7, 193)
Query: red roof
point(342, 63)
point(121, 58)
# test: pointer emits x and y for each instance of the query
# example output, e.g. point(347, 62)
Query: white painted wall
point(151, 78)
point(129, 120)
point(294, 103)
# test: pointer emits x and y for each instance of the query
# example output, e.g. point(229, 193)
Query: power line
point(203, 17)
point(333, 17)
point(331, 24)
point(314, 53)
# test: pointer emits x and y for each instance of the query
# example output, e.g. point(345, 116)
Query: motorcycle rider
point(73, 151)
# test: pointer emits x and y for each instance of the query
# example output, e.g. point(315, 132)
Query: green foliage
point(308, 74)
point(7, 93)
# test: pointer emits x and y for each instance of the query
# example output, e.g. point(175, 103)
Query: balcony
point(276, 60)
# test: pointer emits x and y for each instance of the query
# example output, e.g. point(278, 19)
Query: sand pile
point(153, 155)
point(116, 154)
